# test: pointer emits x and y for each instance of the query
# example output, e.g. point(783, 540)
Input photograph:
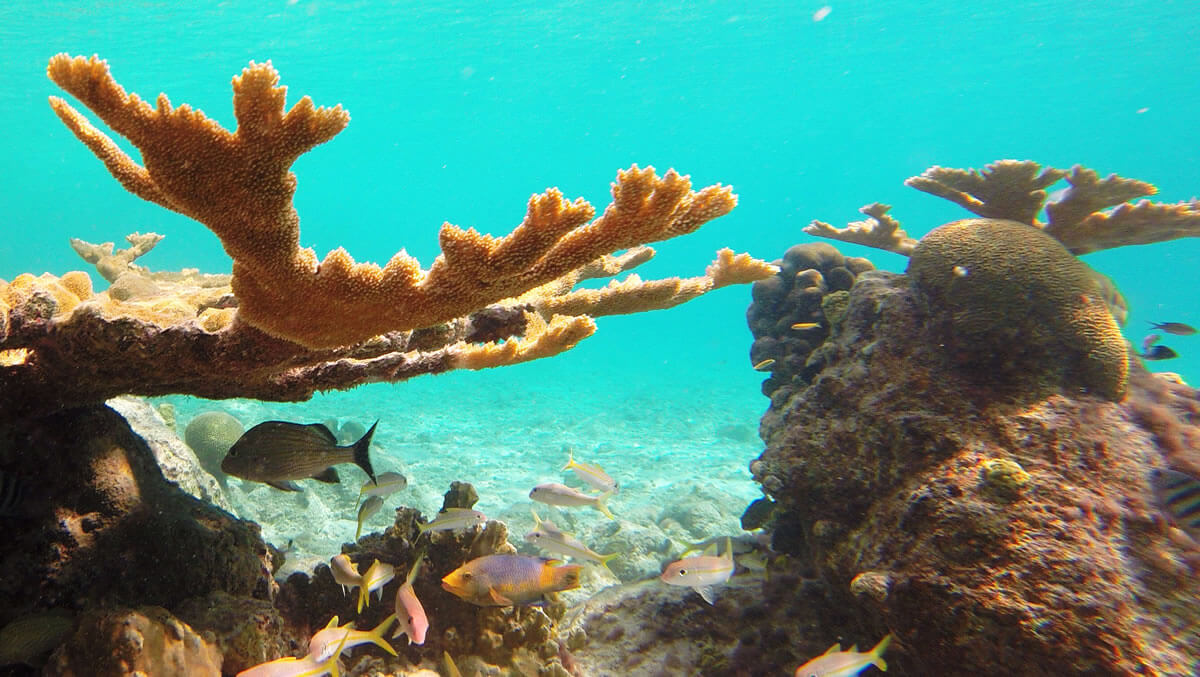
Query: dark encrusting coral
point(101, 533)
point(994, 531)
point(792, 310)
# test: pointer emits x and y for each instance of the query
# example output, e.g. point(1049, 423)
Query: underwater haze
point(460, 112)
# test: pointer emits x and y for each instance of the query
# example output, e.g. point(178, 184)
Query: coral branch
point(1008, 189)
point(635, 295)
point(239, 185)
point(112, 264)
point(880, 231)
point(1078, 222)
point(541, 340)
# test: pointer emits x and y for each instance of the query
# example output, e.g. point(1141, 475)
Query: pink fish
point(410, 615)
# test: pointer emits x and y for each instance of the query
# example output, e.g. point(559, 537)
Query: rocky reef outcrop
point(993, 530)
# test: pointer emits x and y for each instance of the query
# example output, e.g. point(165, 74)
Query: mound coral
point(1018, 307)
point(160, 333)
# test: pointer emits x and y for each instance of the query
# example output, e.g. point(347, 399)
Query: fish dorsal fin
point(324, 431)
point(729, 549)
point(537, 521)
point(332, 623)
point(837, 646)
point(710, 549)
point(853, 648)
point(456, 511)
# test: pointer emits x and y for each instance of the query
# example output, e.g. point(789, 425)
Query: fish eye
point(683, 572)
point(466, 576)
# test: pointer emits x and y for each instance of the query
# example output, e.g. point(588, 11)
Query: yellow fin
point(837, 646)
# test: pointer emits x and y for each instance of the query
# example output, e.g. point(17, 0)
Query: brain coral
point(1018, 308)
point(210, 435)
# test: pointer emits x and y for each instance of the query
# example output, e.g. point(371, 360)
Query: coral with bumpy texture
point(133, 643)
point(809, 274)
point(497, 635)
point(100, 525)
point(1018, 308)
point(875, 468)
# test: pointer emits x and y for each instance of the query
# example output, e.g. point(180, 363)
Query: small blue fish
point(1179, 494)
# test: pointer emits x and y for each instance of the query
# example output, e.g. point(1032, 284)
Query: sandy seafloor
point(677, 439)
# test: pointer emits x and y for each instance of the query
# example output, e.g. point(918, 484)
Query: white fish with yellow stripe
point(590, 474)
point(549, 538)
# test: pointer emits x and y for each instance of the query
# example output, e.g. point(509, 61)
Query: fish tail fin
point(364, 597)
point(605, 559)
point(602, 505)
point(570, 459)
point(877, 653)
point(358, 531)
point(570, 576)
point(362, 453)
point(376, 635)
point(416, 567)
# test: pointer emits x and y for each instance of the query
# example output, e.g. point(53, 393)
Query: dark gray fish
point(1179, 494)
point(1177, 328)
point(1159, 352)
point(12, 492)
point(277, 452)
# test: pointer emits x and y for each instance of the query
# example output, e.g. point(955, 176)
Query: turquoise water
point(460, 113)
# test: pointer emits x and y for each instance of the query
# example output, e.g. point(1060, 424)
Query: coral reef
point(210, 435)
point(155, 333)
point(793, 310)
point(1015, 307)
point(496, 635)
point(128, 642)
point(102, 528)
point(1015, 190)
point(1012, 301)
point(993, 535)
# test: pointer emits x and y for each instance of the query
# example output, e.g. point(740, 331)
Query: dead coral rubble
point(994, 532)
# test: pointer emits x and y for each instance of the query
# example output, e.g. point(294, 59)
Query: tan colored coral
point(1008, 189)
point(880, 231)
point(541, 340)
point(239, 185)
point(112, 264)
point(1016, 191)
point(634, 295)
point(78, 283)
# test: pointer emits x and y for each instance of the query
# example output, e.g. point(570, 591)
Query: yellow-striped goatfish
point(378, 575)
point(553, 493)
point(591, 474)
point(549, 538)
point(324, 649)
point(838, 663)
